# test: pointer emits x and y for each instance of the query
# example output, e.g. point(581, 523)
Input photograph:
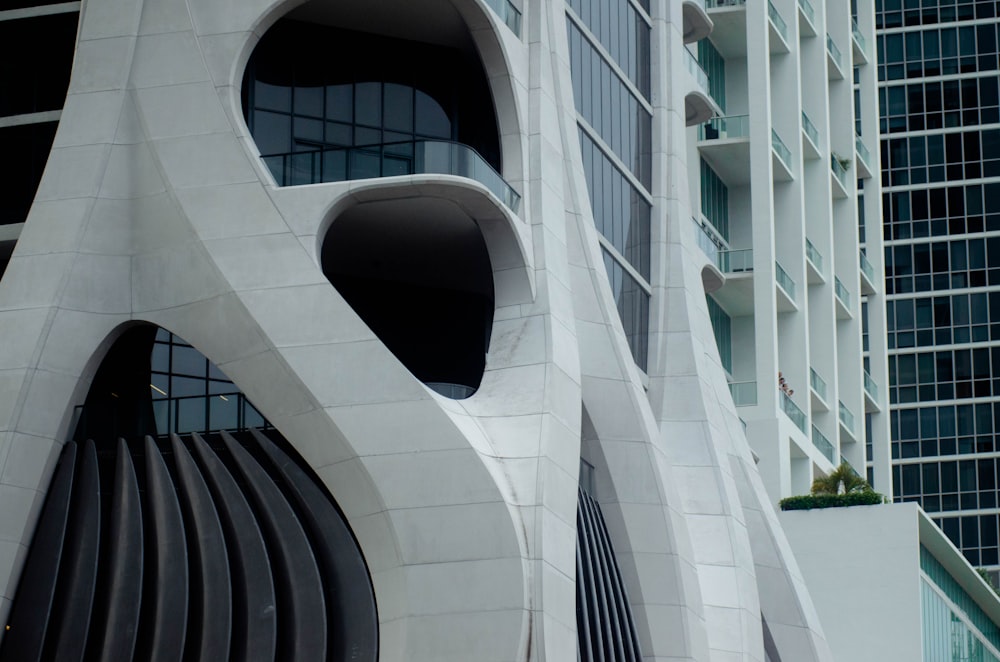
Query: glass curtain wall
point(610, 62)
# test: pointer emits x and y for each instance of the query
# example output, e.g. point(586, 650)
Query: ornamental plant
point(842, 487)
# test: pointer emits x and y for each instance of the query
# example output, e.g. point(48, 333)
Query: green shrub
point(810, 501)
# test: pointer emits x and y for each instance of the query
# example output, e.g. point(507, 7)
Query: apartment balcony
point(838, 176)
point(416, 157)
point(729, 31)
point(871, 394)
point(834, 60)
point(810, 146)
point(781, 159)
point(744, 393)
point(846, 419)
point(807, 19)
point(868, 279)
point(794, 414)
point(784, 287)
point(823, 445)
point(699, 106)
point(843, 299)
point(864, 158)
point(736, 296)
point(508, 13)
point(814, 265)
point(817, 391)
point(725, 143)
point(712, 277)
point(859, 46)
point(778, 42)
point(697, 24)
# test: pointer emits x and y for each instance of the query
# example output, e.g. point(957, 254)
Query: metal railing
point(823, 444)
point(831, 47)
point(510, 14)
point(814, 256)
point(817, 383)
point(808, 10)
point(870, 386)
point(842, 293)
point(744, 393)
point(838, 170)
point(337, 164)
point(858, 37)
point(846, 417)
point(720, 128)
point(866, 267)
point(810, 129)
point(779, 23)
point(784, 280)
point(735, 261)
point(793, 412)
point(715, 4)
point(863, 152)
point(694, 68)
point(780, 149)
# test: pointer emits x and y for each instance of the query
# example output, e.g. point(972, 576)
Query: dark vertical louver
point(604, 622)
point(218, 548)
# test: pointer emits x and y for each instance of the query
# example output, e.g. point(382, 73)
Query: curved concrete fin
point(254, 626)
point(79, 575)
point(32, 608)
point(125, 565)
point(169, 555)
point(353, 630)
point(211, 604)
point(297, 579)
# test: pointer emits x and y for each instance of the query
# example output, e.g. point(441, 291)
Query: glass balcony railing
point(695, 70)
point(779, 148)
point(807, 9)
point(862, 150)
point(810, 129)
point(814, 256)
point(784, 280)
point(337, 164)
point(715, 4)
point(866, 267)
point(834, 52)
point(779, 23)
point(793, 412)
point(842, 293)
point(817, 384)
point(510, 14)
point(838, 170)
point(721, 128)
point(846, 417)
point(735, 261)
point(707, 241)
point(858, 37)
point(453, 391)
point(871, 388)
point(823, 444)
point(744, 393)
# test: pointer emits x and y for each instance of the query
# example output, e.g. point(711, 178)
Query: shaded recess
point(219, 545)
point(418, 273)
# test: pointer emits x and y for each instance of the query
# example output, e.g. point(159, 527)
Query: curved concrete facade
point(156, 207)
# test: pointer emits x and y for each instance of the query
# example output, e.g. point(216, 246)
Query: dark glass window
point(36, 55)
point(26, 148)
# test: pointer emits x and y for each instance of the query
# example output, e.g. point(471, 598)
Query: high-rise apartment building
point(940, 125)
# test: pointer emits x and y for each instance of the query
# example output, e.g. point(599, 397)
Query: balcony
point(834, 60)
point(860, 48)
point(871, 394)
point(736, 296)
point(867, 275)
point(778, 42)
point(699, 106)
point(725, 143)
point(864, 158)
point(792, 411)
point(744, 393)
point(785, 289)
point(817, 391)
point(697, 24)
point(729, 31)
point(810, 146)
point(337, 164)
point(781, 159)
point(508, 13)
point(823, 445)
point(712, 277)
point(814, 264)
point(807, 19)
point(843, 299)
point(846, 419)
point(838, 176)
